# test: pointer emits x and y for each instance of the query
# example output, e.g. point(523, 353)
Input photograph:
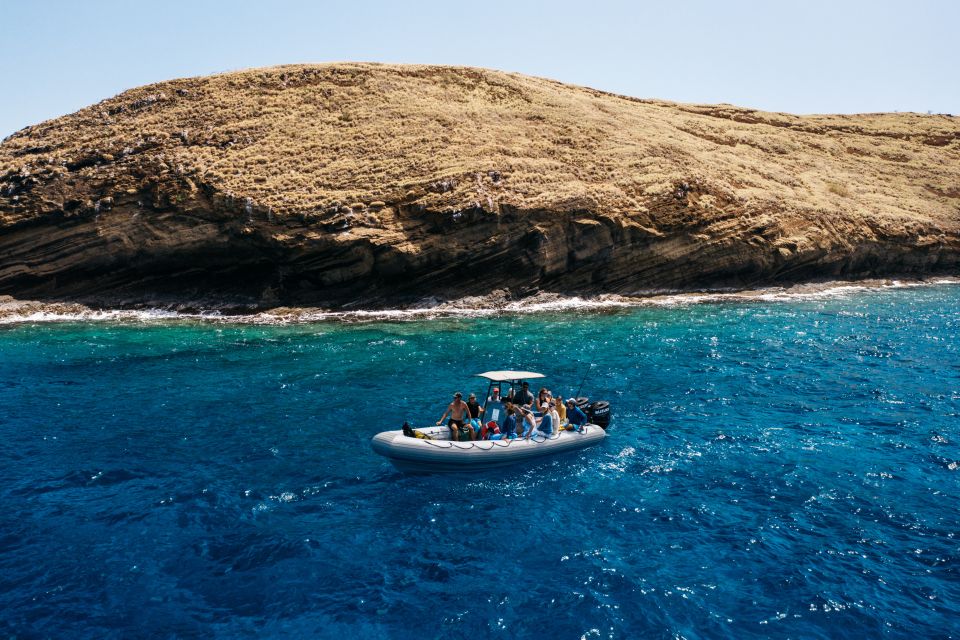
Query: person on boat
point(550, 422)
point(522, 396)
point(543, 397)
point(508, 431)
point(555, 415)
point(528, 423)
point(561, 410)
point(457, 411)
point(545, 428)
point(576, 416)
point(494, 395)
point(476, 410)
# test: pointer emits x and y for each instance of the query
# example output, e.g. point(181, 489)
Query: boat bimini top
point(511, 380)
point(509, 376)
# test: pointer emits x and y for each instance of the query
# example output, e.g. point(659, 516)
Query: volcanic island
point(368, 185)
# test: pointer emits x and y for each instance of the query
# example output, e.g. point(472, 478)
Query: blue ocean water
point(773, 469)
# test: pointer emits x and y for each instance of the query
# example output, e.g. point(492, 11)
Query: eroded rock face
point(378, 185)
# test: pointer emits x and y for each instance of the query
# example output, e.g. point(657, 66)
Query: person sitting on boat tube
point(508, 431)
point(509, 428)
point(554, 415)
point(529, 422)
point(576, 416)
point(476, 410)
point(457, 411)
point(545, 428)
point(561, 410)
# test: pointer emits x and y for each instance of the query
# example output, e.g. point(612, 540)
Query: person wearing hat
point(577, 417)
point(457, 411)
point(549, 422)
point(476, 410)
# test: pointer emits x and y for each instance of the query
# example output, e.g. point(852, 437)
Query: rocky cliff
point(366, 184)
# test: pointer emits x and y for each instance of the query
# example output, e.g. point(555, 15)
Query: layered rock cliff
point(366, 184)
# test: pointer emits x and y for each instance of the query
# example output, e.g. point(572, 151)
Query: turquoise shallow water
point(782, 469)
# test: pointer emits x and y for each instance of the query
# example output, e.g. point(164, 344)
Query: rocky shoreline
point(13, 311)
point(374, 186)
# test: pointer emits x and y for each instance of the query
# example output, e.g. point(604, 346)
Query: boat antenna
point(577, 394)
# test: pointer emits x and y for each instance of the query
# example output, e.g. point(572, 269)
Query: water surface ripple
point(774, 469)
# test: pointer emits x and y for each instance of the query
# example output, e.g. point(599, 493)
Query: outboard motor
point(599, 413)
point(583, 404)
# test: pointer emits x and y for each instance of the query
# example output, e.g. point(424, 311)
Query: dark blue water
point(773, 470)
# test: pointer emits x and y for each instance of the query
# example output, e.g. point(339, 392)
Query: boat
point(434, 450)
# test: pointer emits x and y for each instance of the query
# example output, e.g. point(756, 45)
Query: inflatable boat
point(441, 454)
point(434, 449)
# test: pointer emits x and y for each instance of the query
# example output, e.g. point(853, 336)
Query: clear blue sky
point(815, 56)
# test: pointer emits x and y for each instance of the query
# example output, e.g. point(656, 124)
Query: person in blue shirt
point(508, 431)
point(545, 428)
point(576, 417)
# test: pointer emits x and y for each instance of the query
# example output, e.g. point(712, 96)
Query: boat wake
point(14, 311)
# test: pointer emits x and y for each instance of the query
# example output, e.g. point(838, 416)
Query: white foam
point(91, 315)
point(467, 308)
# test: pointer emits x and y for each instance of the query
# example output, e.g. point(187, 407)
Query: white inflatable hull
point(426, 456)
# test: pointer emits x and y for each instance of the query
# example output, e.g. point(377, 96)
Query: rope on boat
point(450, 444)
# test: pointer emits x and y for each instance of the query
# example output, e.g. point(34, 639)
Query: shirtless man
point(458, 412)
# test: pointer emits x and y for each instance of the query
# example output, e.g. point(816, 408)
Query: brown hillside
point(372, 183)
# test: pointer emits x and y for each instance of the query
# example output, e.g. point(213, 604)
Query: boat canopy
point(503, 376)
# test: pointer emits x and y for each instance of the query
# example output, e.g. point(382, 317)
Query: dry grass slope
point(299, 138)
